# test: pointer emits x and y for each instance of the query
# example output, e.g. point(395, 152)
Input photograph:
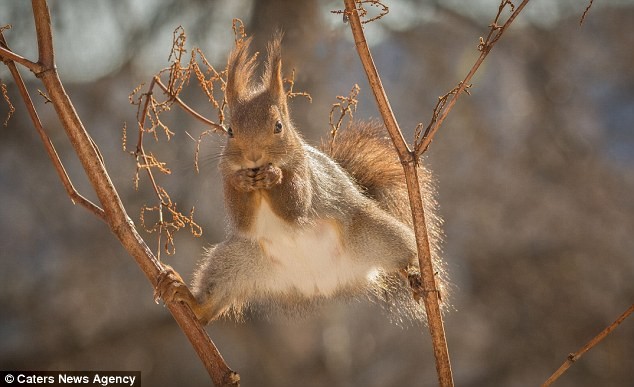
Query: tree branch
point(44, 34)
point(7, 55)
point(75, 196)
point(188, 109)
point(485, 47)
point(573, 357)
point(410, 163)
point(375, 81)
point(113, 211)
point(585, 13)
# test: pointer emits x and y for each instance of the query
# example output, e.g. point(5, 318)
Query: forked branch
point(150, 110)
point(410, 163)
point(185, 107)
point(485, 46)
point(346, 106)
point(75, 196)
point(113, 211)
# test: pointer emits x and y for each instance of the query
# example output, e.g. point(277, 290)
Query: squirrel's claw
point(170, 287)
point(416, 283)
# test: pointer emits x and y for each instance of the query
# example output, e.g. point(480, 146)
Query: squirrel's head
point(261, 131)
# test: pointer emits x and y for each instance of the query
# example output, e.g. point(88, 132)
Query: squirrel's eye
point(278, 127)
point(230, 132)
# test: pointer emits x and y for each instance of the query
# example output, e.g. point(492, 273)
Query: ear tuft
point(273, 73)
point(240, 70)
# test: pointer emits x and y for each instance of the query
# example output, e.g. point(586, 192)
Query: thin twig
point(5, 95)
point(198, 142)
point(150, 108)
point(139, 148)
point(43, 95)
point(363, 12)
point(410, 162)
point(175, 219)
point(290, 93)
point(585, 13)
point(485, 46)
point(188, 109)
point(573, 357)
point(347, 107)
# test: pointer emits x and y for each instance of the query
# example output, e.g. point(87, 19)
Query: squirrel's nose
point(254, 158)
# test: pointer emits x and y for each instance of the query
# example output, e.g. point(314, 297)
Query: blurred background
point(535, 175)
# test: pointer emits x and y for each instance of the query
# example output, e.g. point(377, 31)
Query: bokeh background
point(535, 175)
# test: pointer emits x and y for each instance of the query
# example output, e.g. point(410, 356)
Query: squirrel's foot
point(251, 179)
point(170, 287)
point(416, 284)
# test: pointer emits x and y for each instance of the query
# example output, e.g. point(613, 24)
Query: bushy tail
point(366, 152)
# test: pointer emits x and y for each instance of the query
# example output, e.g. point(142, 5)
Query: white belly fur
point(311, 260)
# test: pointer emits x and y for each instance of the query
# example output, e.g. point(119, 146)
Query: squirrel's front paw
point(251, 179)
point(267, 177)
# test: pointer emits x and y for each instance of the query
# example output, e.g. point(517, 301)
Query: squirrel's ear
point(240, 69)
point(273, 74)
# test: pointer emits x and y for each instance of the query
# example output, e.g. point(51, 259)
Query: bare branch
point(5, 95)
point(113, 211)
point(43, 95)
point(169, 226)
point(442, 101)
point(291, 93)
point(239, 31)
point(44, 35)
point(347, 106)
point(495, 33)
point(363, 12)
point(165, 207)
point(188, 109)
point(585, 13)
point(430, 292)
point(149, 111)
point(198, 142)
point(7, 55)
point(375, 81)
point(48, 144)
point(573, 357)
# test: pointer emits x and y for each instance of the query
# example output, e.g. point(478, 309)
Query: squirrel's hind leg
point(228, 276)
point(381, 240)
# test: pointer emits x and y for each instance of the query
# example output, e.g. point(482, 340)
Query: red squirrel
point(304, 224)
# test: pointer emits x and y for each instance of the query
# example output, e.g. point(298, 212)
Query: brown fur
point(367, 154)
point(357, 194)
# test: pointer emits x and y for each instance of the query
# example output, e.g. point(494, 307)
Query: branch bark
point(410, 163)
point(113, 211)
